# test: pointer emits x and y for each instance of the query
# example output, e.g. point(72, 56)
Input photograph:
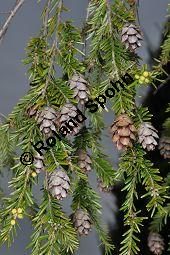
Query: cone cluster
point(38, 163)
point(80, 87)
point(123, 132)
point(46, 119)
point(82, 222)
point(84, 161)
point(67, 112)
point(155, 243)
point(164, 147)
point(147, 135)
point(131, 36)
point(58, 184)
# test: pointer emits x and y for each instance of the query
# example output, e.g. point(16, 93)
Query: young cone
point(147, 134)
point(80, 88)
point(155, 243)
point(164, 147)
point(84, 161)
point(82, 222)
point(46, 118)
point(131, 36)
point(58, 184)
point(123, 132)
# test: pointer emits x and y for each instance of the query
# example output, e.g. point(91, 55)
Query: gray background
point(14, 84)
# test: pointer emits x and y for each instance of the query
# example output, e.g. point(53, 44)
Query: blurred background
point(14, 84)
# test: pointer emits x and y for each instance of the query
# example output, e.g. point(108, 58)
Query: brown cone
point(58, 184)
point(82, 222)
point(147, 136)
point(123, 132)
point(155, 243)
point(131, 37)
point(80, 87)
point(164, 147)
point(67, 113)
point(84, 161)
point(102, 187)
point(32, 111)
point(46, 119)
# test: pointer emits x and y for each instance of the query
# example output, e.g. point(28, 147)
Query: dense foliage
point(98, 53)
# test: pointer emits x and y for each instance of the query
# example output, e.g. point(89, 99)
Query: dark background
point(14, 84)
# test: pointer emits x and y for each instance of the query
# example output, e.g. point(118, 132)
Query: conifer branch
point(43, 110)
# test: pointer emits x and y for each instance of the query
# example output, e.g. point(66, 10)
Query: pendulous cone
point(147, 136)
point(102, 187)
point(164, 147)
point(131, 37)
point(46, 118)
point(155, 243)
point(58, 184)
point(84, 161)
point(123, 132)
point(82, 222)
point(67, 113)
point(80, 87)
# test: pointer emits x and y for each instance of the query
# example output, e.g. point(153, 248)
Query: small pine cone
point(58, 184)
point(164, 147)
point(123, 132)
point(155, 243)
point(84, 161)
point(82, 222)
point(131, 36)
point(80, 87)
point(46, 118)
point(102, 187)
point(68, 112)
point(38, 163)
point(147, 134)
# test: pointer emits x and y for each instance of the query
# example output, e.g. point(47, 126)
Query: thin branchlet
point(11, 15)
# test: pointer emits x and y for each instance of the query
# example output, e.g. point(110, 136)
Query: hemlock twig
point(46, 18)
point(9, 18)
point(109, 14)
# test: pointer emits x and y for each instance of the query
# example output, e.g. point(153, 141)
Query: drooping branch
point(4, 28)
